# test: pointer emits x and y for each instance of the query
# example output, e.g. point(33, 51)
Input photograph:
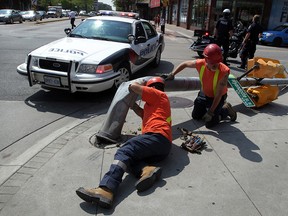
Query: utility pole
point(34, 5)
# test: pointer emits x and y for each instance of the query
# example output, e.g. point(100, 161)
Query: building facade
point(203, 14)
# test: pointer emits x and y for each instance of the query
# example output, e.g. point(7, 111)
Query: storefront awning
point(155, 3)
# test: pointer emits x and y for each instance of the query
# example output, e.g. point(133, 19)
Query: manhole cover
point(179, 102)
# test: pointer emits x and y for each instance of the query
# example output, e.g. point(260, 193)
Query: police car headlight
point(95, 69)
point(87, 68)
point(34, 61)
point(269, 34)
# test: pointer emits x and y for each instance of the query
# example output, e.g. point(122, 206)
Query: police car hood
point(78, 49)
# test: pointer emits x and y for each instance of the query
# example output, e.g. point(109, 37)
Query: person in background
point(250, 41)
point(210, 104)
point(158, 20)
point(162, 25)
point(223, 32)
point(72, 16)
point(138, 153)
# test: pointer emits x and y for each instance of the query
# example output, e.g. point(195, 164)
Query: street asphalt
point(242, 171)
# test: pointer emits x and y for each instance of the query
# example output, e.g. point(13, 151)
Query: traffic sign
point(234, 83)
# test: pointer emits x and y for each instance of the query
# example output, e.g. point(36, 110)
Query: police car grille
point(54, 65)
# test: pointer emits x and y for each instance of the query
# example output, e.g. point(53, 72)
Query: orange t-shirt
point(208, 76)
point(157, 113)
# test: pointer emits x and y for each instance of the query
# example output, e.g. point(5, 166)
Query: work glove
point(169, 76)
point(208, 116)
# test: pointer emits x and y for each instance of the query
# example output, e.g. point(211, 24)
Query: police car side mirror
point(131, 38)
point(67, 31)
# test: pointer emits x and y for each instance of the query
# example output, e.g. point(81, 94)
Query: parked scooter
point(234, 46)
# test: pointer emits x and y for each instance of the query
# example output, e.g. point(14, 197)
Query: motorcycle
point(201, 42)
point(235, 43)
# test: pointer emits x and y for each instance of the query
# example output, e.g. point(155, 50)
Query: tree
point(123, 5)
point(87, 5)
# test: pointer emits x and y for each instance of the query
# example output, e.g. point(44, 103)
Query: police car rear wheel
point(124, 71)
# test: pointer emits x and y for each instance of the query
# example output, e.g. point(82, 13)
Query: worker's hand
point(208, 116)
point(169, 76)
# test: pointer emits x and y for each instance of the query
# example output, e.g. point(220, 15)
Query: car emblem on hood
point(56, 65)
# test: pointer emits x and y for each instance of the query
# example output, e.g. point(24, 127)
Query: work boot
point(149, 175)
point(102, 196)
point(231, 112)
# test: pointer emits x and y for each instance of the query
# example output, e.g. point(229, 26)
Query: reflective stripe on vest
point(215, 78)
point(168, 120)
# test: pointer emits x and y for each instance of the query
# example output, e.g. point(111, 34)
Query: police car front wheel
point(125, 73)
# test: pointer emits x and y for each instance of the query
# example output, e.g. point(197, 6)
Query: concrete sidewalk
point(242, 172)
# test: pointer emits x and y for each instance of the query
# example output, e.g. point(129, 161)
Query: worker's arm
point(182, 66)
point(222, 84)
point(138, 89)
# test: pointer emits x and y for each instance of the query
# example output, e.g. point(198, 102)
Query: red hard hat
point(213, 54)
point(155, 80)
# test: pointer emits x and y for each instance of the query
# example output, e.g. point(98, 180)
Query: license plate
point(53, 81)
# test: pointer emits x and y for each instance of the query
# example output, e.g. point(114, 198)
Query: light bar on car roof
point(119, 13)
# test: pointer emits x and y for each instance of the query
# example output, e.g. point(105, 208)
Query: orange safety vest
point(215, 78)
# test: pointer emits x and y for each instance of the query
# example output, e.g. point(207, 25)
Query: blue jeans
point(136, 153)
point(202, 103)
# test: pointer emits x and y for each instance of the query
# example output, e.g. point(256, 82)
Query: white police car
point(100, 53)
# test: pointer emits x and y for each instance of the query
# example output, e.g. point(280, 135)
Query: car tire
point(125, 75)
point(10, 21)
point(21, 21)
point(277, 42)
point(157, 58)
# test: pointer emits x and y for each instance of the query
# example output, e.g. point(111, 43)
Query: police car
point(100, 53)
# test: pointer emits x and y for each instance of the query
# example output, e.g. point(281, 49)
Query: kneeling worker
point(210, 104)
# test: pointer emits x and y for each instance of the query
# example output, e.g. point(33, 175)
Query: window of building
point(183, 11)
point(199, 13)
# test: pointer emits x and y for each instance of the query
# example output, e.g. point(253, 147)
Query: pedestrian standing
point(139, 152)
point(223, 32)
point(158, 20)
point(162, 25)
point(210, 104)
point(250, 41)
point(72, 16)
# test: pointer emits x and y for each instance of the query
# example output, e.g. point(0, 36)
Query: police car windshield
point(111, 30)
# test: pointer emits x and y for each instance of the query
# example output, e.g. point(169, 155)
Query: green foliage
point(123, 5)
point(87, 5)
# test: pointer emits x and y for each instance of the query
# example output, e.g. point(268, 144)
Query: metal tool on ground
point(192, 143)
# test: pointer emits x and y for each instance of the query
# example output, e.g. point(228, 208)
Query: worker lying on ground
point(138, 153)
